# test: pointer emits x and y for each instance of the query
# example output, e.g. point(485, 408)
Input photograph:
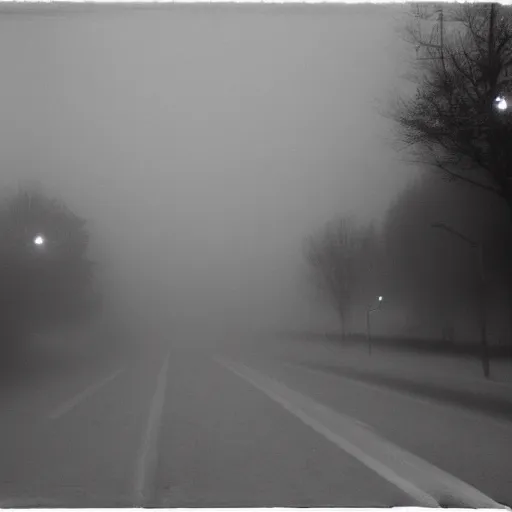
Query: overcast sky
point(205, 142)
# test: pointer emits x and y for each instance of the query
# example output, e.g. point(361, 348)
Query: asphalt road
point(235, 422)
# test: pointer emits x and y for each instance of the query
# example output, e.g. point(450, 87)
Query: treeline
point(46, 276)
point(442, 256)
point(431, 277)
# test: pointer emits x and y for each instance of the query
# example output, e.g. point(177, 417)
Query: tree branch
point(475, 183)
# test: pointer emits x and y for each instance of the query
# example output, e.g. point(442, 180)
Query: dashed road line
point(147, 461)
point(80, 397)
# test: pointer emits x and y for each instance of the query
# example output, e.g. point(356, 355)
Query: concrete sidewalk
point(453, 379)
point(457, 380)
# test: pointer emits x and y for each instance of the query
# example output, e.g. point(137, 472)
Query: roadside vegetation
point(47, 279)
point(443, 253)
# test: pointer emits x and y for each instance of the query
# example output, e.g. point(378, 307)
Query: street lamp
point(39, 240)
point(501, 103)
point(368, 312)
point(483, 287)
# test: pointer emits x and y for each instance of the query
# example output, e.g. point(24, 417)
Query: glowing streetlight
point(39, 240)
point(501, 103)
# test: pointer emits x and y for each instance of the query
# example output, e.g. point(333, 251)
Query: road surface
point(236, 422)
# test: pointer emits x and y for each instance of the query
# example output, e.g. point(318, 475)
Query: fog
point(203, 143)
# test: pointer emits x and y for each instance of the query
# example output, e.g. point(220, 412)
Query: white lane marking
point(147, 460)
point(29, 503)
point(408, 395)
point(86, 393)
point(427, 484)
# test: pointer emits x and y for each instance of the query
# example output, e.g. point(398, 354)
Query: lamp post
point(368, 330)
point(481, 296)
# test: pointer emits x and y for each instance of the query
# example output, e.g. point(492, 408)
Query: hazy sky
point(205, 141)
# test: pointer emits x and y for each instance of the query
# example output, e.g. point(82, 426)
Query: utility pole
point(441, 29)
point(368, 334)
point(420, 43)
point(483, 314)
point(481, 293)
point(368, 330)
point(441, 36)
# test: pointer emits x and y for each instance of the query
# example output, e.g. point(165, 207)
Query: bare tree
point(46, 276)
point(332, 254)
point(369, 266)
point(454, 122)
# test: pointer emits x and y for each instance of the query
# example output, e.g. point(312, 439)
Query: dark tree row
point(457, 123)
point(46, 277)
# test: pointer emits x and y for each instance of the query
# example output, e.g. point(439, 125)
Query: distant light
point(380, 298)
point(501, 103)
point(39, 240)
